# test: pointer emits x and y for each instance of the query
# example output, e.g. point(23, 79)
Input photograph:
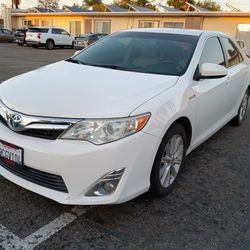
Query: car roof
point(177, 31)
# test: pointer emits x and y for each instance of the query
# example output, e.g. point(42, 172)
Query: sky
point(243, 5)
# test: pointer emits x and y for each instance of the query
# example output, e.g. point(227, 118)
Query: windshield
point(146, 52)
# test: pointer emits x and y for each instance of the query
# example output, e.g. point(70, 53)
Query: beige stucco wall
point(122, 23)
point(117, 23)
point(224, 24)
point(57, 21)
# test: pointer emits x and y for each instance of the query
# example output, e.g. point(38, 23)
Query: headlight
point(107, 130)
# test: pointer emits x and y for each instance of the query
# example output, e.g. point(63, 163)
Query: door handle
point(228, 81)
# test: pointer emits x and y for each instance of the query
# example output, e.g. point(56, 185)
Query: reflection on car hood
point(71, 90)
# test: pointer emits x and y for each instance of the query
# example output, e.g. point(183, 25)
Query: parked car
point(6, 35)
point(85, 40)
point(49, 37)
point(20, 36)
point(118, 118)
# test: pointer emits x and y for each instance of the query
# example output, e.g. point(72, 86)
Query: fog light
point(107, 184)
point(109, 187)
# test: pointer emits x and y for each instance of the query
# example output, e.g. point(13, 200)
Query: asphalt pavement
point(209, 208)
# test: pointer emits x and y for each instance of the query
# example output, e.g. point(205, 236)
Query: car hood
point(65, 89)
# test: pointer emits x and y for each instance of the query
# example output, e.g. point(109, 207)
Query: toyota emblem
point(15, 122)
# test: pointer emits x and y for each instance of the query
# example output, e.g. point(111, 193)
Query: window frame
point(104, 21)
point(149, 21)
point(173, 23)
point(221, 46)
point(228, 66)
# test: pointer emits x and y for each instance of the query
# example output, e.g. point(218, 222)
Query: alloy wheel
point(171, 160)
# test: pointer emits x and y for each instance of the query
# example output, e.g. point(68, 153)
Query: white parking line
point(10, 241)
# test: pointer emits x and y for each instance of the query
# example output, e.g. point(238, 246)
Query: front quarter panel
point(167, 107)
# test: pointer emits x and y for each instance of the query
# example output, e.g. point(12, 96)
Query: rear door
point(56, 36)
point(212, 95)
point(66, 38)
point(237, 72)
point(2, 37)
point(9, 35)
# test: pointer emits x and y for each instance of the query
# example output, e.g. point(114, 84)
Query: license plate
point(11, 154)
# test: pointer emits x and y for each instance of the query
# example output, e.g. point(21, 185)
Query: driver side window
point(212, 52)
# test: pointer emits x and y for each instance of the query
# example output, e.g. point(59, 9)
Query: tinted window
point(232, 53)
point(212, 52)
point(1, 32)
point(56, 31)
point(38, 30)
point(63, 32)
point(156, 53)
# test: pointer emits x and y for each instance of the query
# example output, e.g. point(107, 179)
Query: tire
point(242, 112)
point(50, 44)
point(20, 44)
point(167, 164)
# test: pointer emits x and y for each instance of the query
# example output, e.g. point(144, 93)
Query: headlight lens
point(106, 130)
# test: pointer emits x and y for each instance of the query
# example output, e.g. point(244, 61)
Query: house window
point(46, 23)
point(148, 24)
point(102, 27)
point(27, 23)
point(176, 25)
point(75, 28)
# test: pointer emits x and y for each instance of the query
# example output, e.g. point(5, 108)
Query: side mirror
point(210, 70)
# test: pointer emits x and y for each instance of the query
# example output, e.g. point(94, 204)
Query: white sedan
point(118, 118)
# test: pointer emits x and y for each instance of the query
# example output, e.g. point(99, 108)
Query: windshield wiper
point(74, 61)
point(111, 66)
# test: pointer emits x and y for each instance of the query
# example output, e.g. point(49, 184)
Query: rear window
point(86, 35)
point(38, 30)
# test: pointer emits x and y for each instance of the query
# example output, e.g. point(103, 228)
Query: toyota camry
point(118, 118)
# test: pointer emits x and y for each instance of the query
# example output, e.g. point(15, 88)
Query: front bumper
point(81, 164)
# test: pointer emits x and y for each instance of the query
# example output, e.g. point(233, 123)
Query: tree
point(53, 4)
point(206, 4)
point(76, 5)
point(209, 5)
point(96, 5)
point(16, 3)
point(142, 3)
point(179, 4)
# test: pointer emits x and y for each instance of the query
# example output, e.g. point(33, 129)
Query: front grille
point(41, 178)
point(50, 134)
point(36, 126)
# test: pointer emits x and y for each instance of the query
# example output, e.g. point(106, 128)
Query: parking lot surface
point(209, 208)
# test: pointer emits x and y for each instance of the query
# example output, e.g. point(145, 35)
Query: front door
point(212, 95)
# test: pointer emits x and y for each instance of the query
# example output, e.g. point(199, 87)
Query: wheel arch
point(50, 39)
point(186, 123)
